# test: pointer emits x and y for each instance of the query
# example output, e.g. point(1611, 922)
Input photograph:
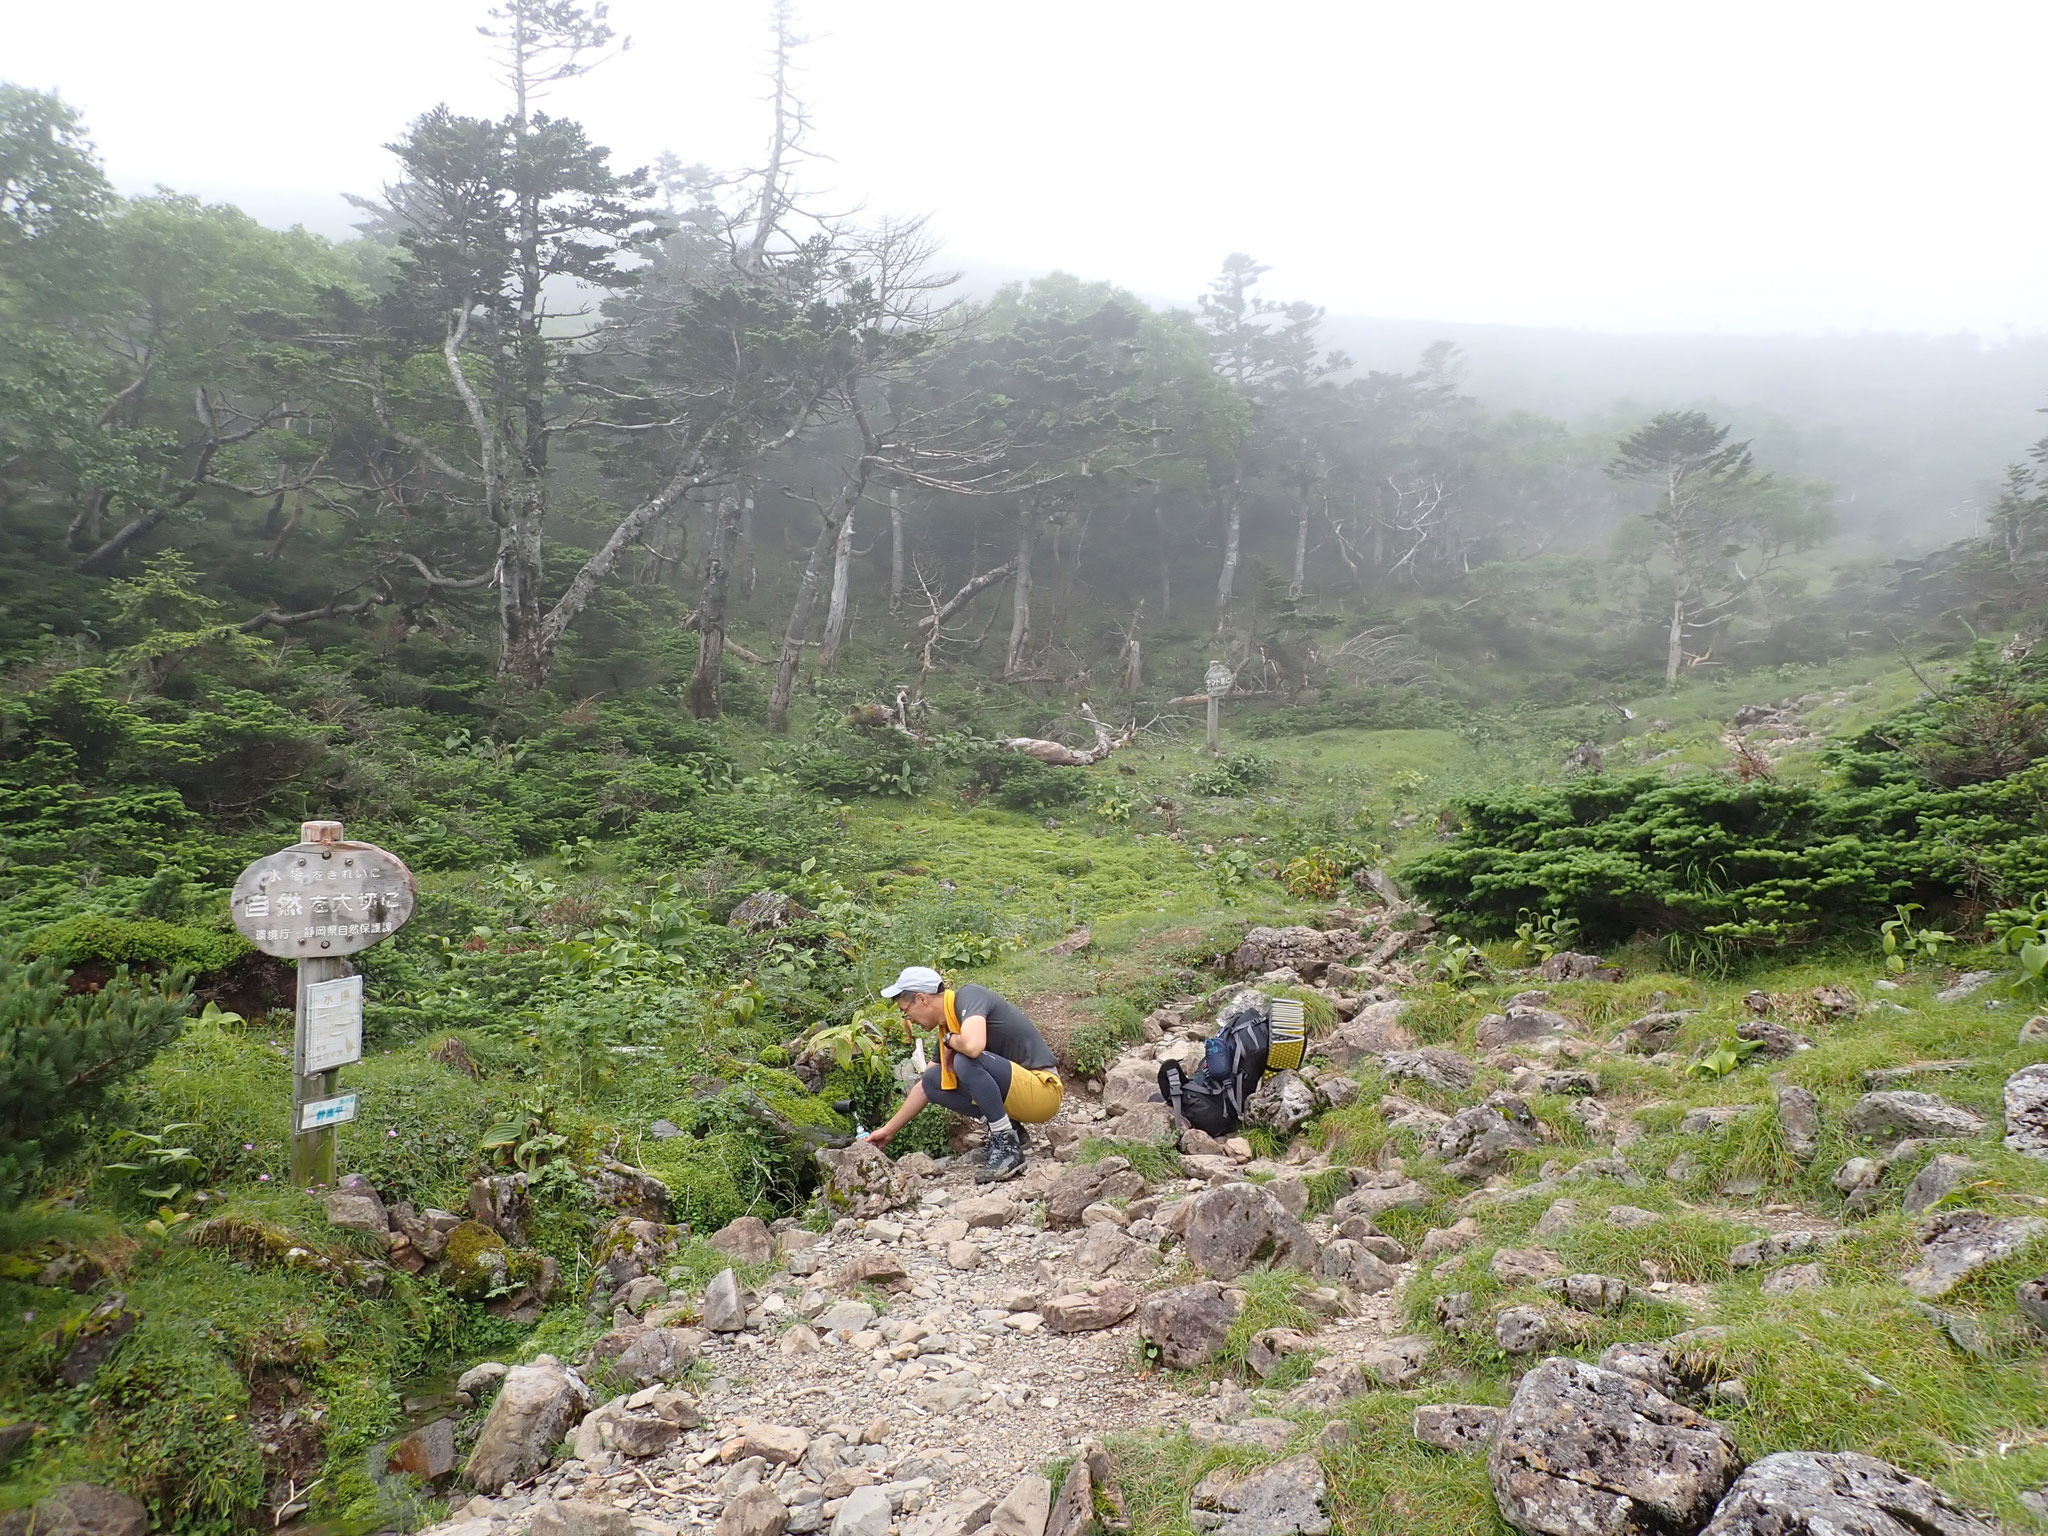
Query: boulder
point(1377, 1193)
point(427, 1453)
point(860, 1180)
point(1522, 1024)
point(961, 1515)
point(1457, 1426)
point(1566, 966)
point(1793, 1277)
point(499, 1201)
point(1231, 1228)
point(1777, 1041)
point(2026, 1110)
point(1941, 1175)
point(354, 1204)
point(745, 1240)
point(865, 1513)
point(1285, 1499)
point(1073, 1508)
point(779, 1445)
point(1902, 1112)
point(1799, 1118)
point(1090, 1311)
point(533, 1411)
point(79, 1509)
point(1655, 1032)
point(1023, 1510)
point(1844, 1493)
point(1438, 1067)
point(1187, 1325)
point(1593, 1293)
point(1584, 1451)
point(849, 1316)
point(1475, 1143)
point(1375, 1030)
point(1956, 1246)
point(1963, 986)
point(756, 1511)
point(1282, 1103)
point(1524, 1266)
point(1523, 1330)
point(626, 1190)
point(725, 1306)
point(1398, 1362)
point(482, 1378)
point(995, 1209)
point(1306, 951)
point(644, 1357)
point(765, 911)
point(1350, 1262)
point(628, 1248)
point(1081, 1185)
point(1128, 1083)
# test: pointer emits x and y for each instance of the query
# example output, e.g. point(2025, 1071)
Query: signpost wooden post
point(315, 903)
point(1218, 681)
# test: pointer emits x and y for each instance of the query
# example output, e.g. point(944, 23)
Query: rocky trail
point(912, 1370)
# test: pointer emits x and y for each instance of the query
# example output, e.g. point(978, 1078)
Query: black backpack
point(1213, 1097)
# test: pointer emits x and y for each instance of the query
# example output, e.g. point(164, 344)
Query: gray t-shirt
point(1011, 1035)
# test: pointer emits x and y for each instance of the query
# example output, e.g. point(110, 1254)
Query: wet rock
point(1187, 1325)
point(79, 1509)
point(1842, 1494)
point(1902, 1112)
point(757, 1511)
point(746, 1240)
point(1231, 1228)
point(1584, 1451)
point(725, 1307)
point(1958, 1245)
point(533, 1411)
point(1457, 1426)
point(1282, 1103)
point(860, 1180)
point(105, 1326)
point(1285, 1499)
point(427, 1453)
point(2026, 1111)
point(1941, 1175)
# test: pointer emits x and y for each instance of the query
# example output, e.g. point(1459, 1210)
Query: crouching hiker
point(993, 1065)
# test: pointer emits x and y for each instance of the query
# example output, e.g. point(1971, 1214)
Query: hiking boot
point(1005, 1159)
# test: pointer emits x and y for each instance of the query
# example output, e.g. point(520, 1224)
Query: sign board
point(334, 1023)
point(318, 899)
point(1219, 680)
point(315, 1113)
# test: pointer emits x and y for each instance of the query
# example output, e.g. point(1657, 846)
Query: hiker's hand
point(881, 1136)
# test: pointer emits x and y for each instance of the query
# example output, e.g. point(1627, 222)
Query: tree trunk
point(523, 653)
point(702, 697)
point(748, 573)
point(1020, 600)
point(1165, 562)
point(1675, 652)
point(1224, 583)
point(1300, 583)
point(895, 550)
point(790, 660)
point(835, 610)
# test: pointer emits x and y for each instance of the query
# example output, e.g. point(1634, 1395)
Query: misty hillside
point(662, 871)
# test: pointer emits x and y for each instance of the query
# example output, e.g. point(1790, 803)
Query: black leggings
point(984, 1083)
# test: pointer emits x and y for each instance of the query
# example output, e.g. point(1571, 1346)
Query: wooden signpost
point(315, 903)
point(1218, 681)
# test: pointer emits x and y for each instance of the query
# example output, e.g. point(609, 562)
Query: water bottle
point(1216, 1057)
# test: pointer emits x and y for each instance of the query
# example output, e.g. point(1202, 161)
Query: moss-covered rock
point(476, 1262)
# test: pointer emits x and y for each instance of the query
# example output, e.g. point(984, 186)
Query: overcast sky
point(1788, 166)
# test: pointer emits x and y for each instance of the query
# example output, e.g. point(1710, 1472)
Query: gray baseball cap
point(915, 978)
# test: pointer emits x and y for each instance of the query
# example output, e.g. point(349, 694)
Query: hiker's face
point(924, 1009)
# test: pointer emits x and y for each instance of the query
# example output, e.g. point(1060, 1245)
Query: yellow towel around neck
point(948, 1078)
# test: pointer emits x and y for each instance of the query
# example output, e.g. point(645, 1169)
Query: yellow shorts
point(1034, 1096)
